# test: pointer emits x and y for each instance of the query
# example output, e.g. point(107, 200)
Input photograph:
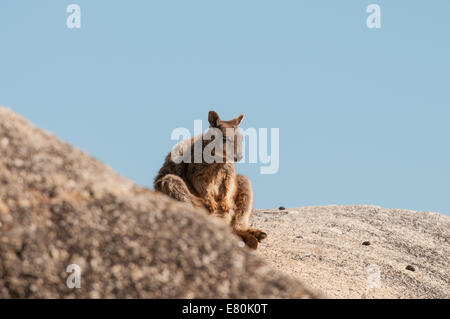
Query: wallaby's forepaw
point(211, 205)
point(258, 234)
point(223, 206)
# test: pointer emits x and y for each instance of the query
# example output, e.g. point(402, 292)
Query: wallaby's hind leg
point(258, 234)
point(174, 186)
point(243, 212)
point(248, 238)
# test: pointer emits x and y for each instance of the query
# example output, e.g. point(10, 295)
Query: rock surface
point(339, 250)
point(58, 207)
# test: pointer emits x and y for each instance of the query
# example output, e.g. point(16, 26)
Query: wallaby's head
point(230, 134)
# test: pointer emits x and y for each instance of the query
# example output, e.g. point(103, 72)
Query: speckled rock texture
point(59, 206)
point(360, 251)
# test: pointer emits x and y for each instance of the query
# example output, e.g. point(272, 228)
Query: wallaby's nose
point(238, 157)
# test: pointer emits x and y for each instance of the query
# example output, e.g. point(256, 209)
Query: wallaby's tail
point(174, 186)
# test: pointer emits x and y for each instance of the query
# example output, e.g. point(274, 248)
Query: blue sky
point(363, 113)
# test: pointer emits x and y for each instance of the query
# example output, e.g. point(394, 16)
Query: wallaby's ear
point(236, 121)
point(213, 119)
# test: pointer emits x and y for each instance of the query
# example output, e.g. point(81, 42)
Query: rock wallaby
point(189, 176)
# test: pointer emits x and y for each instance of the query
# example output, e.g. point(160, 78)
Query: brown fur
point(214, 186)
